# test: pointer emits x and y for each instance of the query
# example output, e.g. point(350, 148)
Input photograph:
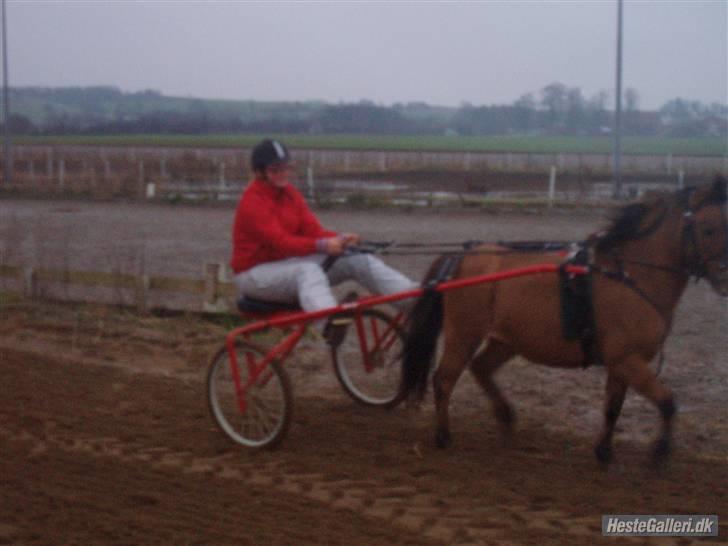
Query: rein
point(688, 266)
point(692, 260)
point(693, 266)
point(466, 247)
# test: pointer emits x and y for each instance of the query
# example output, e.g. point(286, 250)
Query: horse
point(638, 269)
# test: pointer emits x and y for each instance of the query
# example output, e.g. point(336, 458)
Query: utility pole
point(7, 157)
point(617, 194)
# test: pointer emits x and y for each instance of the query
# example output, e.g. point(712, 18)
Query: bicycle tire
point(269, 402)
point(379, 386)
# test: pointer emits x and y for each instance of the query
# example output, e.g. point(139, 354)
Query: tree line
point(556, 109)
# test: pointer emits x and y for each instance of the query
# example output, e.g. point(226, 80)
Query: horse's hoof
point(506, 431)
point(604, 453)
point(506, 417)
point(662, 450)
point(443, 440)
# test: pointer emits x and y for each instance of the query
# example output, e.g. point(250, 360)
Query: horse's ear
point(719, 190)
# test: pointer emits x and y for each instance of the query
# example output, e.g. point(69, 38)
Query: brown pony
point(639, 268)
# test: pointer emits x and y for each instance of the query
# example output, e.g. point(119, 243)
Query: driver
point(279, 246)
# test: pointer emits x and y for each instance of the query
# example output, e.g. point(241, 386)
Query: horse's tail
point(424, 325)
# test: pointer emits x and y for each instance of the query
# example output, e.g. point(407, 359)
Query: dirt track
point(106, 438)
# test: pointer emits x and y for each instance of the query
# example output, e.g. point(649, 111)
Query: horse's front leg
point(638, 375)
point(616, 391)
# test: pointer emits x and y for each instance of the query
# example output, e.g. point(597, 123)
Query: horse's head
point(705, 234)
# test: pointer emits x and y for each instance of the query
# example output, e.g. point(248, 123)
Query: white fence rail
point(212, 293)
point(145, 172)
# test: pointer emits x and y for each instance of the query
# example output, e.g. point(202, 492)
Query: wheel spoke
point(371, 377)
point(268, 400)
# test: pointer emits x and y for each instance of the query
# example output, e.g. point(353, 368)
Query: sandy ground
point(106, 438)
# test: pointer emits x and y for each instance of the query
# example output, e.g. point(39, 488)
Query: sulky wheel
point(367, 362)
point(260, 417)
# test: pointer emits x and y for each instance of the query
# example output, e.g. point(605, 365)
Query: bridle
point(693, 262)
point(696, 264)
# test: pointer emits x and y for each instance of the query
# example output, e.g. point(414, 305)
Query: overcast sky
point(445, 53)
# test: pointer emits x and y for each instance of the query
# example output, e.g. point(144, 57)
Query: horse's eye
point(709, 231)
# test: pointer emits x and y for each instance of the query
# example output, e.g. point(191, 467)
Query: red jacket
point(273, 224)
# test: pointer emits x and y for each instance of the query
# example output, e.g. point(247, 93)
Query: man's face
point(278, 175)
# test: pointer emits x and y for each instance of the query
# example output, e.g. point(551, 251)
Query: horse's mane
point(626, 222)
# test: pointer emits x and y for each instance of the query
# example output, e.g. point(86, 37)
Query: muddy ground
point(106, 438)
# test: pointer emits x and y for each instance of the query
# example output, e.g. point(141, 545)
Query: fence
point(549, 191)
point(212, 293)
point(106, 172)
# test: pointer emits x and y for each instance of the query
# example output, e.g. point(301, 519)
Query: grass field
point(523, 144)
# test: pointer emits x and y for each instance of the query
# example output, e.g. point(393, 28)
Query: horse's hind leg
point(616, 391)
point(455, 358)
point(483, 367)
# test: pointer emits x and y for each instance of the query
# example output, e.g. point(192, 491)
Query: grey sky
point(436, 52)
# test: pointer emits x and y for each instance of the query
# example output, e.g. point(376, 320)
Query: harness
point(577, 304)
point(692, 266)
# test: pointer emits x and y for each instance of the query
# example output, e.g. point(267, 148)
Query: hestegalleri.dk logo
point(645, 525)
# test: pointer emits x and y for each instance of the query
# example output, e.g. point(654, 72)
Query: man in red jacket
point(279, 246)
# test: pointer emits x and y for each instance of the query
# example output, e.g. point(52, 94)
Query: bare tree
point(554, 101)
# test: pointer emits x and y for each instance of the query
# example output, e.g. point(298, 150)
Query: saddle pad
point(576, 305)
point(577, 309)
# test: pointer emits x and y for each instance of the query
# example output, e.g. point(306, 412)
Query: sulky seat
point(247, 304)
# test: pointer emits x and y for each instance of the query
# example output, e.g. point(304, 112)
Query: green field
point(523, 144)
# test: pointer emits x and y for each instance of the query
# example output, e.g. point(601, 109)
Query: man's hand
point(334, 246)
point(350, 239)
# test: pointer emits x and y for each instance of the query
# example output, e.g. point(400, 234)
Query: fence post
point(221, 174)
point(61, 173)
point(49, 163)
point(29, 282)
point(680, 179)
point(141, 294)
point(552, 185)
point(92, 182)
point(310, 183)
point(214, 276)
point(151, 190)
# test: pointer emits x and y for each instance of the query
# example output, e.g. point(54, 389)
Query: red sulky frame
point(302, 318)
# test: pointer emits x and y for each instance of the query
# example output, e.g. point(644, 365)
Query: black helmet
point(268, 152)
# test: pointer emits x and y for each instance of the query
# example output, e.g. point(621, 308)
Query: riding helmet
point(268, 152)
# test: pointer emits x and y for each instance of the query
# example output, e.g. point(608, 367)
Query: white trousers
point(302, 279)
